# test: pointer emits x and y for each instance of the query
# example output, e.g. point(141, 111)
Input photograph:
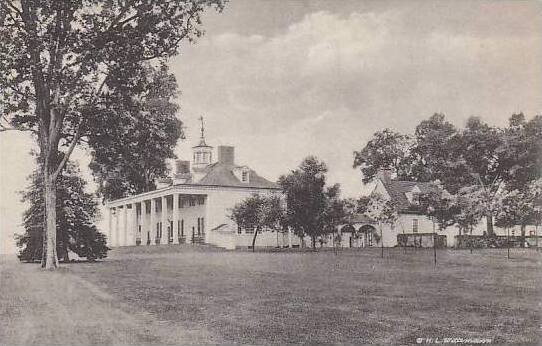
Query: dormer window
point(242, 173)
point(413, 195)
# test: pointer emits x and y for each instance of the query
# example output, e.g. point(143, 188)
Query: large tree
point(259, 213)
point(135, 131)
point(306, 200)
point(479, 153)
point(76, 213)
point(56, 57)
point(520, 207)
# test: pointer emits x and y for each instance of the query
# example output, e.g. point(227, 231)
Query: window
point(239, 229)
point(201, 200)
point(192, 202)
point(139, 231)
point(244, 176)
point(202, 226)
point(249, 230)
point(414, 225)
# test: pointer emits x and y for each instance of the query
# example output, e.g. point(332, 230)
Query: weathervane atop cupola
point(202, 138)
point(202, 152)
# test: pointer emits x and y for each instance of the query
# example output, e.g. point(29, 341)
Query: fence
point(421, 240)
point(466, 241)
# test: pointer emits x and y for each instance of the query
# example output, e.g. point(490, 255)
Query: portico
point(160, 217)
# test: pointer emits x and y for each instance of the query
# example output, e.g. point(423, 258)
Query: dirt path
point(43, 308)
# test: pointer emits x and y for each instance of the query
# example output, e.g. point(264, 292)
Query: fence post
point(381, 241)
point(508, 242)
point(434, 244)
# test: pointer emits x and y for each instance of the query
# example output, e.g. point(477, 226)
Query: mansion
point(193, 206)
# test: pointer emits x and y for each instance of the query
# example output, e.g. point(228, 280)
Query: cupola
point(202, 153)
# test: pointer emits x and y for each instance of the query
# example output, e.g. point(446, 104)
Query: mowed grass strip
point(305, 297)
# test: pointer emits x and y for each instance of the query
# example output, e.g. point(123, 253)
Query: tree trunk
point(254, 239)
point(51, 258)
point(313, 239)
point(489, 225)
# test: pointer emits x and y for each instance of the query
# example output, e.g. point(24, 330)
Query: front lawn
point(177, 294)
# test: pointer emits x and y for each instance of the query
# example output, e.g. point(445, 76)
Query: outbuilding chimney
point(226, 154)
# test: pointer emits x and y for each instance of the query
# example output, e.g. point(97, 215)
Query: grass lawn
point(181, 294)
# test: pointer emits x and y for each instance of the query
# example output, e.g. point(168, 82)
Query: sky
point(283, 79)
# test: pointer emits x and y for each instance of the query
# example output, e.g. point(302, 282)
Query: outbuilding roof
point(398, 189)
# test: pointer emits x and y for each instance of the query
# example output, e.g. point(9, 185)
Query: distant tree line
point(485, 172)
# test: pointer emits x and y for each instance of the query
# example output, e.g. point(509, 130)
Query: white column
point(110, 226)
point(165, 235)
point(144, 222)
point(175, 216)
point(289, 237)
point(125, 225)
point(134, 225)
point(153, 221)
point(117, 230)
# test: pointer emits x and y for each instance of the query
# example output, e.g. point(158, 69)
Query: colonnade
point(125, 226)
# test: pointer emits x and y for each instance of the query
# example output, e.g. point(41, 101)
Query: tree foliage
point(304, 189)
point(76, 214)
point(381, 210)
point(386, 150)
point(135, 131)
point(259, 213)
point(520, 207)
point(434, 150)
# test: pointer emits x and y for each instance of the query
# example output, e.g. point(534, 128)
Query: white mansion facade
point(193, 206)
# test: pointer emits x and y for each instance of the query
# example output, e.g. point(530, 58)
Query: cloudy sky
point(284, 79)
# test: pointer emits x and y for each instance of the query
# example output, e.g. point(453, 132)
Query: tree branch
point(5, 129)
point(15, 8)
point(68, 153)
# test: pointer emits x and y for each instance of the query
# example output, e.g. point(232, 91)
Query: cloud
point(328, 81)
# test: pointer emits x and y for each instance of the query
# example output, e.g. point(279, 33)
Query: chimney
point(182, 172)
point(226, 154)
point(182, 167)
point(384, 175)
